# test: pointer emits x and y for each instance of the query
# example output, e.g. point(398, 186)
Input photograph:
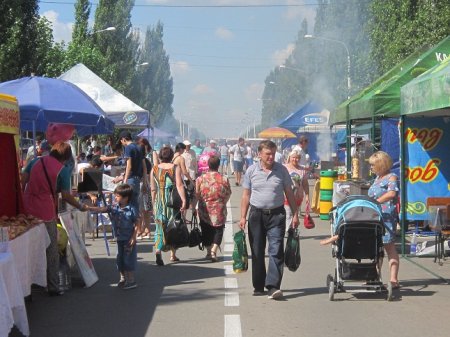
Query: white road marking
point(231, 299)
point(228, 269)
point(230, 283)
point(232, 326)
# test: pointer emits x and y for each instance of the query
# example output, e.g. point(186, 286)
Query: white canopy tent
point(117, 107)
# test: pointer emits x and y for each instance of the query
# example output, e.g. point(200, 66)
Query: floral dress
point(164, 181)
point(214, 193)
point(389, 208)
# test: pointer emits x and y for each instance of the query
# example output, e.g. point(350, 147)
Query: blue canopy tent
point(49, 100)
point(310, 120)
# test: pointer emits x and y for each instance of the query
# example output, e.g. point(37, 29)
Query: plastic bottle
point(413, 245)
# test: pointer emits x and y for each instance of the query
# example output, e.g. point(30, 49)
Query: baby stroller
point(358, 222)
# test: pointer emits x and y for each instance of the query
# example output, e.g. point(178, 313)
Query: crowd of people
point(273, 192)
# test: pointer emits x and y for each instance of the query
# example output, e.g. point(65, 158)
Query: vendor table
point(12, 305)
point(29, 256)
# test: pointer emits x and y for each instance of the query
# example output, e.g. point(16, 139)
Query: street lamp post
point(283, 66)
point(349, 84)
point(108, 29)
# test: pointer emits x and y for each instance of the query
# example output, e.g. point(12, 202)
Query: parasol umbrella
point(49, 100)
point(276, 132)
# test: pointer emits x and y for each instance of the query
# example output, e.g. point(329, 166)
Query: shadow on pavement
point(105, 310)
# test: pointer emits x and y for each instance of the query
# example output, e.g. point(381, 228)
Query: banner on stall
point(9, 115)
point(427, 164)
point(79, 251)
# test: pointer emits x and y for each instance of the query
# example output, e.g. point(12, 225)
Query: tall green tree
point(18, 38)
point(399, 27)
point(82, 49)
point(116, 46)
point(152, 86)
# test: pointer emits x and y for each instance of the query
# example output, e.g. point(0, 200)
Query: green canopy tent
point(384, 99)
point(429, 93)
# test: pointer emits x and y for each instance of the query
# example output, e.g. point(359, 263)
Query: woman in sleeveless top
point(385, 190)
point(163, 177)
point(299, 184)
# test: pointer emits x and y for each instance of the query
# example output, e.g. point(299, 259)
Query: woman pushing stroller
point(384, 190)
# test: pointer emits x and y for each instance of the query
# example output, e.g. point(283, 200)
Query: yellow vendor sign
point(9, 114)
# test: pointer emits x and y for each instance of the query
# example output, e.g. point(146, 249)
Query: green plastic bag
point(240, 254)
point(292, 257)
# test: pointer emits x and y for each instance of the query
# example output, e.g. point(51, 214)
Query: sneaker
point(121, 284)
point(275, 294)
point(129, 285)
point(258, 292)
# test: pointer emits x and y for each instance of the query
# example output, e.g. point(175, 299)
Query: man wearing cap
point(135, 166)
point(266, 183)
point(190, 159)
point(212, 148)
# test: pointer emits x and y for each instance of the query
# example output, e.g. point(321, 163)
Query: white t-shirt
point(304, 157)
point(249, 154)
point(238, 152)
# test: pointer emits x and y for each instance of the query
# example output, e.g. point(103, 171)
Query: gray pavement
point(201, 299)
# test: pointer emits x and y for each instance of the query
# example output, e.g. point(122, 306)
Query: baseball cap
point(186, 142)
point(212, 141)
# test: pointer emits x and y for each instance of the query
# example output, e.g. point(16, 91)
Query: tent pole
point(403, 200)
point(348, 145)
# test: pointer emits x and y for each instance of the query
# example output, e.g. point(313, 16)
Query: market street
point(198, 298)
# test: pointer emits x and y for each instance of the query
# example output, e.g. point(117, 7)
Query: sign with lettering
point(427, 166)
point(9, 114)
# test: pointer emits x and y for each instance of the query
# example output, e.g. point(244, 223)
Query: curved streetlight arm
point(283, 66)
point(349, 84)
point(108, 29)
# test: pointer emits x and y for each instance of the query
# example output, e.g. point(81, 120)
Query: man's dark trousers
point(272, 227)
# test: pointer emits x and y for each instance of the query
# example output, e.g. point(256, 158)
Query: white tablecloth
point(29, 257)
point(12, 306)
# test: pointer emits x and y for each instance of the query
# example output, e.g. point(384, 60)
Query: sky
point(220, 54)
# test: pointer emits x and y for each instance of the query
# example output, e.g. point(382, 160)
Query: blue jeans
point(126, 256)
point(270, 227)
point(135, 183)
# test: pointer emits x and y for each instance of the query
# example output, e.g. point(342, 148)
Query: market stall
point(23, 239)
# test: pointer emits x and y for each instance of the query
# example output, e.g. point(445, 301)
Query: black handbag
point(195, 235)
point(176, 232)
point(292, 257)
point(174, 200)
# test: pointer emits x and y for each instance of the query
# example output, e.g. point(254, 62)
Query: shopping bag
point(240, 254)
point(308, 222)
point(292, 257)
point(176, 232)
point(195, 235)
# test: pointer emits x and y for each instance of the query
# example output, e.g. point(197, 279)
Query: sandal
point(214, 257)
point(159, 260)
point(395, 285)
point(174, 259)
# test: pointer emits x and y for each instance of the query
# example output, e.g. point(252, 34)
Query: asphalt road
point(198, 298)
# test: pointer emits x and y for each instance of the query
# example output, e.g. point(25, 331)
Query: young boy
point(125, 221)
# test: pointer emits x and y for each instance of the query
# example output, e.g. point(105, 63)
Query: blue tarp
point(48, 100)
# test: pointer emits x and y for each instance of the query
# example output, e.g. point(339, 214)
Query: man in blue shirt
point(135, 166)
point(265, 184)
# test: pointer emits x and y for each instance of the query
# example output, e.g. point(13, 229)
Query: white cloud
point(62, 31)
point(201, 89)
point(179, 68)
point(224, 34)
point(280, 56)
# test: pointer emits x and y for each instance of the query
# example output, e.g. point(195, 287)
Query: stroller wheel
point(331, 289)
point(329, 280)
point(389, 292)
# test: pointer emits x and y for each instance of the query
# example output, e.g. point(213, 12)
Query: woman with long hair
point(163, 178)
